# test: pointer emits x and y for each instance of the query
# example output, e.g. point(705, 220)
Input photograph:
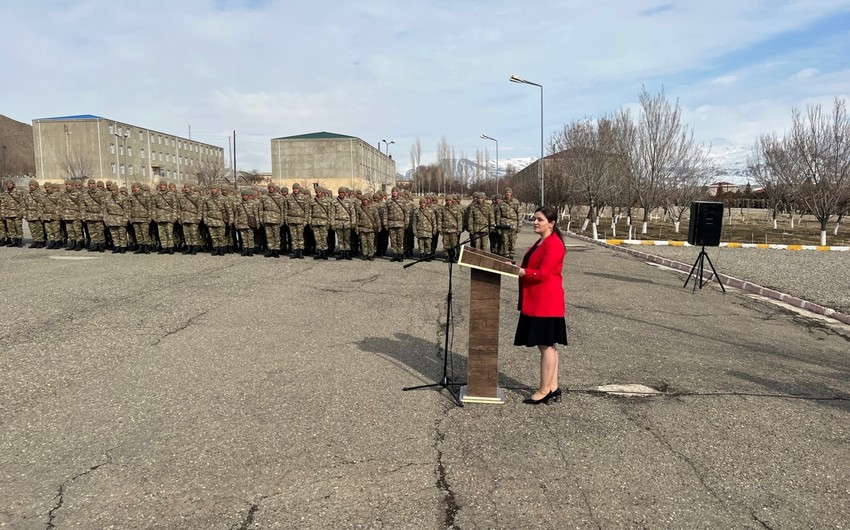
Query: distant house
point(720, 187)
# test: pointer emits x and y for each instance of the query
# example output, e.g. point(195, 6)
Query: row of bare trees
point(625, 162)
point(809, 166)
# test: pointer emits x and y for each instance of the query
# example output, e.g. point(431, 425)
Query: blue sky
point(399, 71)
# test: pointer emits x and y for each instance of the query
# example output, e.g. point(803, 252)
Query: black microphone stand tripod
point(699, 264)
point(445, 382)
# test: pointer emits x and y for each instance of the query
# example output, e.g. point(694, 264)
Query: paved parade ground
point(206, 392)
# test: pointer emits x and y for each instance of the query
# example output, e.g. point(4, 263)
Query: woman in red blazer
point(541, 302)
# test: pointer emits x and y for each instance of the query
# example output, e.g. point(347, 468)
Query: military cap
point(33, 183)
point(69, 181)
point(91, 181)
point(123, 188)
point(284, 189)
point(497, 196)
point(508, 190)
point(214, 185)
point(366, 197)
point(247, 192)
point(113, 187)
point(296, 186)
point(145, 187)
point(395, 189)
point(358, 192)
point(342, 189)
point(99, 183)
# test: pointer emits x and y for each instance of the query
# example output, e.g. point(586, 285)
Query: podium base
point(466, 398)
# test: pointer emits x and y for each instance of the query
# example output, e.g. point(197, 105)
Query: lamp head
point(515, 79)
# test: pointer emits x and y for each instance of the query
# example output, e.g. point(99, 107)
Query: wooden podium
point(486, 271)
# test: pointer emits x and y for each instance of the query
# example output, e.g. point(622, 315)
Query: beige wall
point(331, 162)
point(93, 147)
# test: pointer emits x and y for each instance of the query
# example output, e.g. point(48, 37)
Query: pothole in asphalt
point(629, 390)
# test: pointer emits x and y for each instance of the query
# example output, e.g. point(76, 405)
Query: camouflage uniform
point(345, 218)
point(231, 201)
point(271, 213)
point(51, 214)
point(138, 213)
point(479, 220)
point(215, 214)
point(496, 233)
point(424, 227)
point(510, 216)
point(13, 205)
point(297, 217)
point(32, 213)
point(191, 209)
point(164, 214)
point(368, 223)
point(321, 217)
point(115, 218)
point(382, 237)
point(246, 220)
point(450, 225)
point(72, 212)
point(397, 220)
point(92, 201)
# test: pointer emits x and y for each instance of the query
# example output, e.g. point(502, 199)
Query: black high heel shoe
point(556, 395)
point(545, 399)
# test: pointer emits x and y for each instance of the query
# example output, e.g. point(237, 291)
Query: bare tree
point(662, 148)
point(209, 172)
point(77, 165)
point(812, 161)
point(416, 158)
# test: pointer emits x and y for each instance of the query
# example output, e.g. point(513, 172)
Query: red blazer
point(541, 290)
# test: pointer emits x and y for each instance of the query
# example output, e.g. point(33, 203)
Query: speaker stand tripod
point(699, 265)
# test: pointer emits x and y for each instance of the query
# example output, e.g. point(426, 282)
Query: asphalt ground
point(204, 392)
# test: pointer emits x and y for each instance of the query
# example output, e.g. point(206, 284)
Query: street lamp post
point(387, 149)
point(515, 79)
point(485, 137)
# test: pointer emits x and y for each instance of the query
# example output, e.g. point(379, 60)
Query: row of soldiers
point(98, 215)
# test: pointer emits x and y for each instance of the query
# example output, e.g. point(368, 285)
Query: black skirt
point(540, 331)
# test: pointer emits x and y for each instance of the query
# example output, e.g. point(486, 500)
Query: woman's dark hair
point(552, 216)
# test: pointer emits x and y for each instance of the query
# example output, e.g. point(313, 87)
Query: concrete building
point(106, 149)
point(331, 160)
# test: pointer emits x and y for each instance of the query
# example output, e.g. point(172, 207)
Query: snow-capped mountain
point(472, 168)
point(728, 160)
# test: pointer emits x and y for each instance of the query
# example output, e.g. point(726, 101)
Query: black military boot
point(80, 245)
point(348, 255)
point(193, 250)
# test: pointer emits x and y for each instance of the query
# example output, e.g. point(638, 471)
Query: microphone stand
point(445, 382)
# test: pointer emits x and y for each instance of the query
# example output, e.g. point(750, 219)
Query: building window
point(129, 151)
point(142, 152)
point(174, 159)
point(111, 149)
point(130, 169)
point(121, 150)
point(111, 129)
point(122, 169)
point(173, 143)
point(113, 167)
point(159, 139)
point(160, 156)
point(141, 136)
point(143, 170)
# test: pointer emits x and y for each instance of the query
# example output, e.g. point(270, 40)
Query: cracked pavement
point(198, 392)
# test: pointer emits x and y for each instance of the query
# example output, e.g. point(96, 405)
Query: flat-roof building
point(331, 160)
point(96, 147)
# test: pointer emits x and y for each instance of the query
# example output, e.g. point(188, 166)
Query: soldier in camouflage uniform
point(32, 213)
point(164, 214)
point(409, 238)
point(382, 237)
point(190, 216)
point(510, 216)
point(13, 206)
point(71, 214)
point(115, 218)
point(368, 224)
point(397, 220)
point(357, 201)
point(231, 201)
point(321, 217)
point(246, 220)
point(139, 216)
point(297, 217)
point(51, 214)
point(495, 236)
point(92, 214)
point(214, 217)
point(271, 213)
point(434, 205)
point(345, 218)
point(479, 220)
point(424, 226)
point(450, 226)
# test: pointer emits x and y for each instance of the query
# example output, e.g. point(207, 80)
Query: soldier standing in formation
point(321, 217)
point(479, 220)
point(92, 202)
point(164, 214)
point(397, 220)
point(12, 208)
point(510, 216)
point(32, 213)
point(344, 220)
point(115, 218)
point(297, 217)
point(190, 213)
point(138, 213)
point(271, 214)
point(424, 227)
point(215, 217)
point(368, 224)
point(246, 220)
